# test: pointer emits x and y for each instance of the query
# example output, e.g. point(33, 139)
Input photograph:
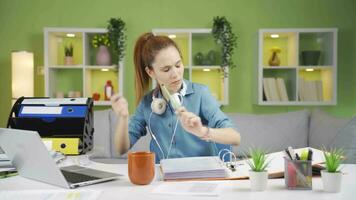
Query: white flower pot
point(331, 181)
point(258, 180)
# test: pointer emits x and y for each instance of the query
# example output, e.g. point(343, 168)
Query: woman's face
point(168, 69)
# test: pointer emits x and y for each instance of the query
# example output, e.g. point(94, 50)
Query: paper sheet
point(188, 188)
point(50, 195)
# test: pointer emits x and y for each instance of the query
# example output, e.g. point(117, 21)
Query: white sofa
point(272, 132)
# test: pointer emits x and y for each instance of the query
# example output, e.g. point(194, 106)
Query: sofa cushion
point(324, 128)
point(346, 139)
point(271, 132)
point(102, 141)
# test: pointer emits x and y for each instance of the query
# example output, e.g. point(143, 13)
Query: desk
point(123, 189)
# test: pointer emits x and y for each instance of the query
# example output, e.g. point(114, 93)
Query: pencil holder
point(298, 174)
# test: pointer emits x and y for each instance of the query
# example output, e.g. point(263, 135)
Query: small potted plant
point(102, 42)
point(258, 173)
point(332, 175)
point(68, 52)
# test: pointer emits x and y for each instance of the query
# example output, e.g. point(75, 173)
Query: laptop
point(32, 160)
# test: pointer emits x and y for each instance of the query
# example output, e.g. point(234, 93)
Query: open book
point(212, 168)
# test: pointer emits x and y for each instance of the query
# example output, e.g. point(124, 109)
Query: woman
point(197, 128)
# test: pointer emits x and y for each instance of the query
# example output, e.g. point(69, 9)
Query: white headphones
point(159, 105)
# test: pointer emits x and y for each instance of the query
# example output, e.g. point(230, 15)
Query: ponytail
point(146, 48)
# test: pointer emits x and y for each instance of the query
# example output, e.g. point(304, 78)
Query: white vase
point(258, 180)
point(103, 56)
point(331, 181)
point(68, 60)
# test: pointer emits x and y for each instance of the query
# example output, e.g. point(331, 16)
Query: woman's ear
point(150, 72)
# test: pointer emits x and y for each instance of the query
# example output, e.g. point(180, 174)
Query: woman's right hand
point(119, 105)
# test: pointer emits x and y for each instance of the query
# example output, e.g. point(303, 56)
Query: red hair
point(146, 48)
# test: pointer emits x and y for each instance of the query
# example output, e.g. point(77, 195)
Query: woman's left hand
point(191, 122)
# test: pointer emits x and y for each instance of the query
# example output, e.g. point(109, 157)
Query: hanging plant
point(223, 35)
point(116, 31)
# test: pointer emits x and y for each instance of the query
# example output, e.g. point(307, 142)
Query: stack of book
point(310, 90)
point(275, 89)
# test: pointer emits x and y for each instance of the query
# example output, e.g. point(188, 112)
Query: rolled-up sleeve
point(211, 111)
point(137, 125)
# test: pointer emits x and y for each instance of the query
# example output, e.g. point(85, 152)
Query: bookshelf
point(299, 63)
point(201, 59)
point(82, 76)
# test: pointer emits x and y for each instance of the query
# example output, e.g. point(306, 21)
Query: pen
point(310, 154)
point(287, 153)
point(291, 152)
point(297, 156)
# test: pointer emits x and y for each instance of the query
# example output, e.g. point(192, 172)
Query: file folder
point(67, 122)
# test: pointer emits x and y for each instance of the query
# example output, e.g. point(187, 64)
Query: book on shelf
point(310, 90)
point(212, 168)
point(282, 89)
point(266, 90)
point(275, 89)
point(272, 85)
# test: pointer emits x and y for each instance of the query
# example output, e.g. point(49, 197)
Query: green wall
point(22, 25)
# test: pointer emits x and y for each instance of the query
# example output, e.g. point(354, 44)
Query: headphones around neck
point(159, 105)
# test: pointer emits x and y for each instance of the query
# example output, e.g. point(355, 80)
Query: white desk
point(123, 189)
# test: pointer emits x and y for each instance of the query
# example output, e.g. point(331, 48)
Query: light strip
point(172, 36)
point(274, 36)
point(70, 35)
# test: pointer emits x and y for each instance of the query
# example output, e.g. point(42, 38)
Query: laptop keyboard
point(73, 177)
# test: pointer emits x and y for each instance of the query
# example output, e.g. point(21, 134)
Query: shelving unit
point(83, 77)
point(307, 67)
point(201, 59)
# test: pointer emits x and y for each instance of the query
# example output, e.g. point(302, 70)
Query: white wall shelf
point(307, 68)
point(83, 77)
point(201, 58)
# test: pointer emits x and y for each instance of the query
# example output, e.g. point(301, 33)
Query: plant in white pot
point(332, 175)
point(68, 52)
point(258, 173)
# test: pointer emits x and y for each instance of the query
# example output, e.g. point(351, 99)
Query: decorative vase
point(258, 180)
point(68, 60)
point(310, 57)
point(274, 59)
point(103, 56)
point(198, 58)
point(212, 57)
point(331, 181)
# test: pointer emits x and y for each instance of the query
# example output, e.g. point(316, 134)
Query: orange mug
point(141, 167)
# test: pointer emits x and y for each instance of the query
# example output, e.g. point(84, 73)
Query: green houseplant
point(68, 52)
point(117, 36)
point(223, 35)
point(332, 176)
point(258, 173)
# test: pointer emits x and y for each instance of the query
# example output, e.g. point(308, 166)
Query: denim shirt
point(197, 100)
